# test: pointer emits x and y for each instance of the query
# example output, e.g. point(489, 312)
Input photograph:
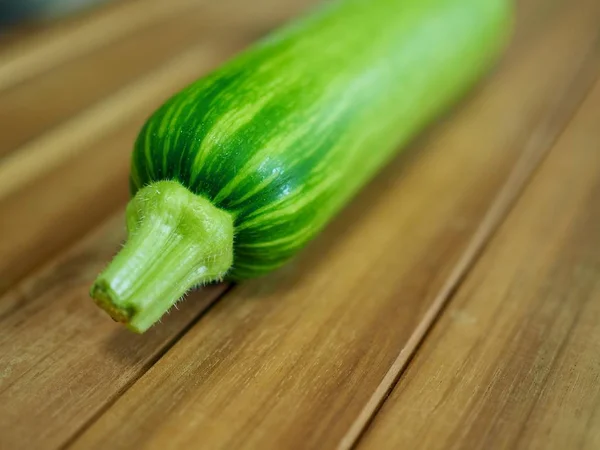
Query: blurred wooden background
point(454, 304)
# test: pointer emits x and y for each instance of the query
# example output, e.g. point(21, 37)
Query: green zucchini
point(234, 174)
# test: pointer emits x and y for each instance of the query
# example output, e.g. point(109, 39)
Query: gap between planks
point(537, 147)
point(47, 152)
point(80, 251)
point(168, 345)
point(41, 52)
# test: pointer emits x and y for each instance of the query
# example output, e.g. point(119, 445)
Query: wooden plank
point(513, 363)
point(61, 360)
point(288, 361)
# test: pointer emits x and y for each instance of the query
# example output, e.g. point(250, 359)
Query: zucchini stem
point(176, 240)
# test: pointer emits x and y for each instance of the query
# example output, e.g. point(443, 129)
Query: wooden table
point(454, 304)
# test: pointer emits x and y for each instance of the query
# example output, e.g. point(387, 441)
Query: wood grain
point(30, 108)
point(514, 361)
point(62, 143)
point(43, 50)
point(534, 151)
point(288, 361)
point(62, 360)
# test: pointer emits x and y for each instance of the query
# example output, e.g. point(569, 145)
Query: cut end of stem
point(177, 240)
point(105, 299)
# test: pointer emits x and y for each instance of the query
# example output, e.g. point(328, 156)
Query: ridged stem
point(176, 240)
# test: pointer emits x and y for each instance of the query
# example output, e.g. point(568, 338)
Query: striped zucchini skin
point(283, 135)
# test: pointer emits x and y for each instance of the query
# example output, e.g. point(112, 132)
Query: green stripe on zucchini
point(270, 145)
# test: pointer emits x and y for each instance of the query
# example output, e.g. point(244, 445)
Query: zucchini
point(235, 173)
